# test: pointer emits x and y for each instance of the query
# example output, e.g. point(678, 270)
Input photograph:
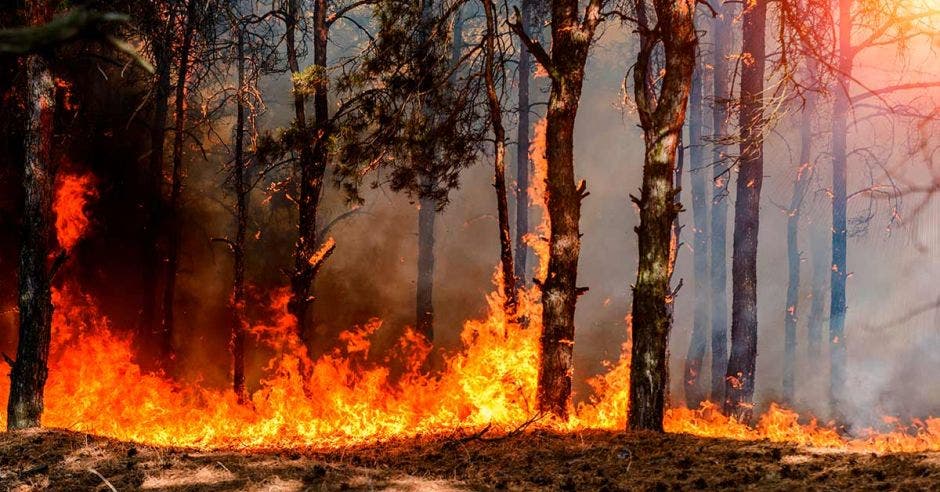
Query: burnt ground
point(60, 460)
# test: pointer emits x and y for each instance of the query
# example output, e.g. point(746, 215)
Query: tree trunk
point(151, 262)
point(721, 26)
point(838, 276)
point(695, 392)
point(312, 164)
point(571, 39)
point(176, 189)
point(424, 298)
point(522, 154)
point(241, 218)
point(661, 117)
point(739, 387)
point(803, 175)
point(28, 375)
point(499, 161)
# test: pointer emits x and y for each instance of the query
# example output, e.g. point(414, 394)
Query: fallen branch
point(105, 480)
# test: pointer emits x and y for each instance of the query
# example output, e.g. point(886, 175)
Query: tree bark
point(151, 262)
point(29, 371)
point(721, 26)
point(695, 392)
point(312, 162)
point(838, 276)
point(522, 153)
point(739, 387)
point(166, 348)
point(241, 218)
point(499, 161)
point(424, 294)
point(571, 39)
point(661, 117)
point(803, 175)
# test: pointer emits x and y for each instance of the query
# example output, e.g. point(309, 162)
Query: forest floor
point(62, 460)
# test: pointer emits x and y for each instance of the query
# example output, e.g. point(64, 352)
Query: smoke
point(372, 272)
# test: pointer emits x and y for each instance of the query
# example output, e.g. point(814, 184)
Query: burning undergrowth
point(349, 396)
point(353, 396)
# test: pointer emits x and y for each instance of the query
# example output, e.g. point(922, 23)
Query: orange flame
point(72, 194)
point(538, 241)
point(349, 396)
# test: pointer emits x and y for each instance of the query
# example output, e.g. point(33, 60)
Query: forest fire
point(95, 386)
point(371, 244)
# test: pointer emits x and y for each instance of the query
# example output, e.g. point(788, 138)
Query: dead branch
point(105, 480)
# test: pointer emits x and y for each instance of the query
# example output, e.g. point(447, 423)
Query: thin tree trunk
point(241, 217)
point(428, 206)
point(499, 161)
point(424, 299)
point(695, 392)
point(803, 175)
point(522, 153)
point(838, 276)
point(176, 188)
point(722, 27)
point(312, 164)
point(739, 388)
point(151, 262)
point(28, 375)
point(662, 117)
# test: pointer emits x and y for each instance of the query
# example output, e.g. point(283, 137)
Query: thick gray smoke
point(892, 364)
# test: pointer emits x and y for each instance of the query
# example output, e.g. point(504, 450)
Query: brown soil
point(60, 460)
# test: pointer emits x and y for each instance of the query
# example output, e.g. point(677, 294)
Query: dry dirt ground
point(60, 460)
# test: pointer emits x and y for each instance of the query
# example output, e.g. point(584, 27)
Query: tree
point(572, 35)
point(311, 139)
point(721, 97)
point(29, 371)
point(739, 380)
point(253, 57)
point(804, 174)
point(692, 379)
point(415, 112)
point(896, 23)
point(661, 107)
point(499, 156)
point(160, 31)
point(174, 232)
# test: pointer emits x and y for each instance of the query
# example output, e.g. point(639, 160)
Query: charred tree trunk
point(499, 161)
point(241, 219)
point(522, 153)
point(424, 296)
point(662, 116)
point(29, 371)
point(794, 256)
point(176, 189)
point(695, 392)
point(838, 276)
point(571, 39)
point(312, 163)
point(739, 388)
point(152, 262)
point(428, 207)
point(721, 26)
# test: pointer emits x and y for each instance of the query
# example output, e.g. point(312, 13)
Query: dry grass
point(61, 460)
